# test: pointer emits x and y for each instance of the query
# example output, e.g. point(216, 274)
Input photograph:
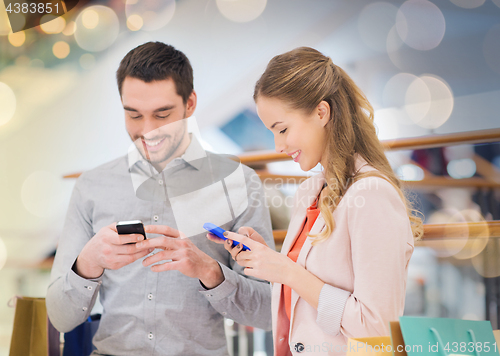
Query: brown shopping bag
point(369, 346)
point(33, 334)
point(378, 345)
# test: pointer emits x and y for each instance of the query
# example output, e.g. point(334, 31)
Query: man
point(173, 302)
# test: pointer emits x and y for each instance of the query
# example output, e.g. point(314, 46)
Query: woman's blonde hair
point(304, 77)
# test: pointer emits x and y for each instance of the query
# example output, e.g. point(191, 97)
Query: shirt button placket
point(151, 324)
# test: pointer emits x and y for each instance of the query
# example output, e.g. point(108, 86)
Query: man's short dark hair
point(154, 61)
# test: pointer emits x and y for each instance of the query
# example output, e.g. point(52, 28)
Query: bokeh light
point(491, 48)
point(417, 100)
point(7, 103)
point(70, 29)
point(394, 92)
point(440, 106)
point(22, 61)
point(426, 101)
point(374, 24)
point(468, 4)
point(420, 24)
point(90, 19)
point(394, 96)
point(97, 28)
point(461, 168)
point(52, 24)
point(17, 39)
point(477, 240)
point(496, 2)
point(134, 22)
point(241, 10)
point(4, 21)
point(153, 14)
point(456, 237)
point(410, 172)
point(487, 263)
point(3, 254)
point(61, 49)
point(87, 61)
point(42, 195)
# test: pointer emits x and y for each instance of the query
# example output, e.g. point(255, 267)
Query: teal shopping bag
point(447, 337)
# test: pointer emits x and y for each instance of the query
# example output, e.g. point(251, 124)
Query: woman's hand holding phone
point(261, 261)
point(229, 244)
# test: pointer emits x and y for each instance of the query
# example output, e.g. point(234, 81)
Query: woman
point(343, 266)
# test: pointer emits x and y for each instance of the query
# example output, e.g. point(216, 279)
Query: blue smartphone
point(219, 232)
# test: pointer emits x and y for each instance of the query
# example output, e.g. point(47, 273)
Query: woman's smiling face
point(301, 136)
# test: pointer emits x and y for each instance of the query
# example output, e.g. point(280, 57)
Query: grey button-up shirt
point(166, 313)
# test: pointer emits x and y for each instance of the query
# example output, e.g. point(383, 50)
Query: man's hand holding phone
point(109, 250)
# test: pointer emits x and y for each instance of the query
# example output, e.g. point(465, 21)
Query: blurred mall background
point(428, 68)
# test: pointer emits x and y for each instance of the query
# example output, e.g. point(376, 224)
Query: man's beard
point(157, 157)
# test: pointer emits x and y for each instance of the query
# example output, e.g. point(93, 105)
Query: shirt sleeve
point(70, 298)
point(381, 246)
point(246, 300)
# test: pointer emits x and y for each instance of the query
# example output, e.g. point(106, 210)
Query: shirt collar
point(194, 153)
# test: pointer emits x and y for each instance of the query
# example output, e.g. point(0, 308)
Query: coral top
point(311, 216)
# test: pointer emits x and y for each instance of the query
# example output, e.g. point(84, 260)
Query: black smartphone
point(130, 227)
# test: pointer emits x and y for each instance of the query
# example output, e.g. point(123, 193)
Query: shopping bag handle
point(12, 302)
point(441, 344)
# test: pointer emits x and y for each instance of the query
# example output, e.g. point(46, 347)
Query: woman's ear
point(323, 110)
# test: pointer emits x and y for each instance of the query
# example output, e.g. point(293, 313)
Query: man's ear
point(323, 111)
point(191, 104)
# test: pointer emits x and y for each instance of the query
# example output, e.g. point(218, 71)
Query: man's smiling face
point(155, 118)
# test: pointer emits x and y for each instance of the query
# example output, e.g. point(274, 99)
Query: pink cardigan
point(363, 263)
